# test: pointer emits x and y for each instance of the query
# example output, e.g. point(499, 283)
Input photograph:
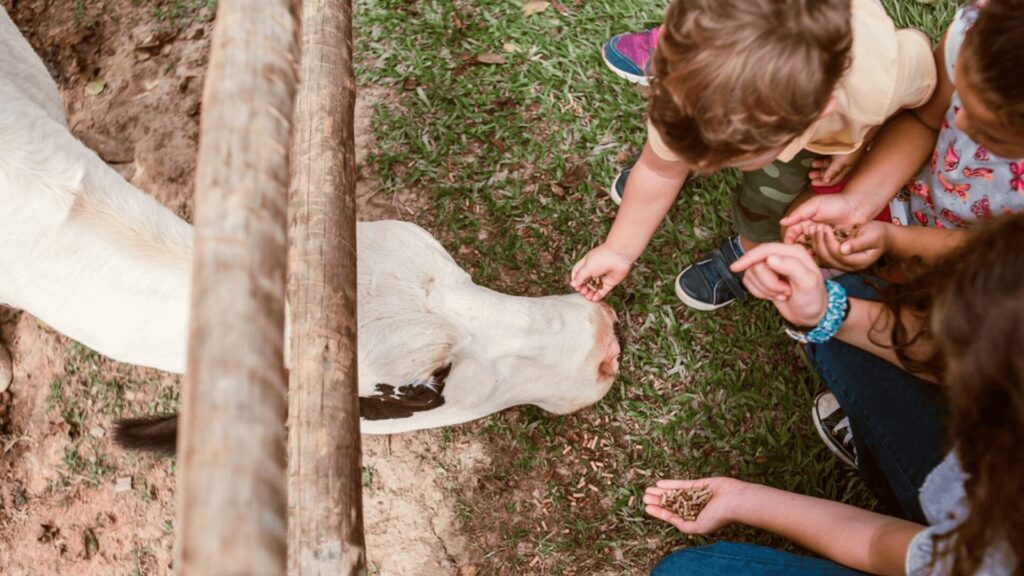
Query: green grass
point(490, 146)
point(170, 16)
point(87, 398)
point(181, 12)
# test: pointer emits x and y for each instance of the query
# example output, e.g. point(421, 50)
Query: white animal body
point(107, 265)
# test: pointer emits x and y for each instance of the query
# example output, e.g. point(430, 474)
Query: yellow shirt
point(890, 70)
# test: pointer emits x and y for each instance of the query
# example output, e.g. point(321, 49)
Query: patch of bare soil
point(130, 74)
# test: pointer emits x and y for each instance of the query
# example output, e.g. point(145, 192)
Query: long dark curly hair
point(971, 307)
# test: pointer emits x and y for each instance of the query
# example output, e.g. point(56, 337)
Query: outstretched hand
point(833, 209)
point(786, 275)
point(599, 271)
point(716, 515)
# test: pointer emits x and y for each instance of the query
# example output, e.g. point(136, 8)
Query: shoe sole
point(614, 195)
point(631, 78)
point(826, 439)
point(693, 302)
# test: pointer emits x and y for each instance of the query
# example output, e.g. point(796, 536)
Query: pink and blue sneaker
point(628, 55)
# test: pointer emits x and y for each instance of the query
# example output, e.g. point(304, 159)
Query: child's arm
point(652, 187)
point(857, 538)
point(923, 242)
point(898, 152)
point(651, 190)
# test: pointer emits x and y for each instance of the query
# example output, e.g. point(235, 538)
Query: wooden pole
point(325, 519)
point(231, 482)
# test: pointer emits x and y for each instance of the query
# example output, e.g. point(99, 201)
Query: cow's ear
point(416, 396)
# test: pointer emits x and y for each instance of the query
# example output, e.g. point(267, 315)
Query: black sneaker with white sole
point(619, 185)
point(709, 284)
point(834, 427)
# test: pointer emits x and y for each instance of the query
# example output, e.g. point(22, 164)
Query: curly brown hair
point(993, 54)
point(972, 304)
point(736, 77)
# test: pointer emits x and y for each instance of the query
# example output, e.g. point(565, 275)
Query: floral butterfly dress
point(964, 182)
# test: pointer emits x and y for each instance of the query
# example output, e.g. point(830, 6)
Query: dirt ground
point(130, 74)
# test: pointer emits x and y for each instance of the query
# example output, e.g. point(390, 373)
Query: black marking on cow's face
point(417, 396)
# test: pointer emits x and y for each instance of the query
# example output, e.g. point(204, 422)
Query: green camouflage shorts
point(762, 196)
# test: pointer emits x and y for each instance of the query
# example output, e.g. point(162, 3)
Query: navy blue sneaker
point(619, 185)
point(709, 284)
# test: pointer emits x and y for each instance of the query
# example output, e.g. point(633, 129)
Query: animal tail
point(157, 434)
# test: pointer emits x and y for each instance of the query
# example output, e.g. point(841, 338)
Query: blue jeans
point(735, 559)
point(899, 429)
point(898, 420)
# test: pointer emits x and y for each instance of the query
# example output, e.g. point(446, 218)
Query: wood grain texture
point(324, 473)
point(231, 478)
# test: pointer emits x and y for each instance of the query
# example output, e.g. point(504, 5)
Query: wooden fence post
point(231, 481)
point(325, 520)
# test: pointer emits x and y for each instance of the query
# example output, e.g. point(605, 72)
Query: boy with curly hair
point(766, 86)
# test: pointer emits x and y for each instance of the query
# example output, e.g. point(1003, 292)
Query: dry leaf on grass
point(532, 7)
point(490, 58)
point(573, 175)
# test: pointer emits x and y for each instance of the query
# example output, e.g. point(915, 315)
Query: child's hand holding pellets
point(687, 504)
point(851, 249)
point(695, 506)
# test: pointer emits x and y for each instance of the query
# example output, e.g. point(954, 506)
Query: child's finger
point(796, 233)
point(864, 238)
point(765, 284)
point(801, 272)
point(821, 248)
point(753, 285)
point(684, 526)
point(574, 278)
point(666, 516)
point(806, 211)
point(834, 170)
point(771, 284)
point(681, 484)
point(835, 247)
point(654, 499)
point(761, 253)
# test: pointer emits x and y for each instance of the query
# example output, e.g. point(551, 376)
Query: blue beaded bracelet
point(838, 308)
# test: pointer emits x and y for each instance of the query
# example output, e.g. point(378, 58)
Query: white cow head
point(420, 313)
